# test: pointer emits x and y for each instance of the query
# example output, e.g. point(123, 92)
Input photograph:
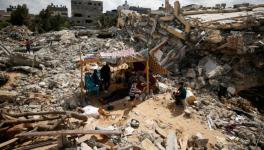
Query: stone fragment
point(191, 73)
point(187, 113)
point(214, 36)
point(197, 141)
point(172, 142)
point(231, 90)
point(42, 84)
point(84, 146)
point(148, 145)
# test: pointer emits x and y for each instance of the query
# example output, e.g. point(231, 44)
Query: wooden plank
point(69, 132)
point(161, 132)
point(40, 144)
point(8, 142)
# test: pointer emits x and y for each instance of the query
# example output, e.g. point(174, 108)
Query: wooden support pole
point(69, 132)
point(159, 46)
point(8, 142)
point(18, 121)
point(82, 83)
point(37, 145)
point(147, 73)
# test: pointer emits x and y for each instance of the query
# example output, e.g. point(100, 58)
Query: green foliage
point(108, 20)
point(20, 16)
point(45, 22)
point(4, 24)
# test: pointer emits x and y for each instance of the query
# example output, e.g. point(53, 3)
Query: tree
point(4, 24)
point(20, 16)
point(108, 20)
point(45, 22)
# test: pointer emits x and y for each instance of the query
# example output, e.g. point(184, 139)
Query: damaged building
point(58, 10)
point(216, 52)
point(86, 12)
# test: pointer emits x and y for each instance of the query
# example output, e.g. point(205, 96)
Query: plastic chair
point(90, 86)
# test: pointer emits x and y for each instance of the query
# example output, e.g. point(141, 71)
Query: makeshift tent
point(121, 57)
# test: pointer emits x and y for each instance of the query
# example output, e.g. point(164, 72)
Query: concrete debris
point(197, 142)
point(231, 90)
point(172, 142)
point(147, 144)
point(9, 96)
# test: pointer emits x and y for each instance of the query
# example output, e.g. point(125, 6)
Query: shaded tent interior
point(136, 60)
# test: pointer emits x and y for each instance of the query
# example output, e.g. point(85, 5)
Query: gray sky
point(36, 5)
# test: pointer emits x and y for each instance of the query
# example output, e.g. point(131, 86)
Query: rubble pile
point(205, 55)
point(16, 32)
point(210, 51)
point(235, 117)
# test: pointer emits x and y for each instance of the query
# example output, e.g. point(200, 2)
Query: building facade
point(123, 7)
point(58, 10)
point(192, 7)
point(4, 16)
point(140, 10)
point(11, 8)
point(86, 12)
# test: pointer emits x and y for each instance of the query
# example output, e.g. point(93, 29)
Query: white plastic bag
point(91, 111)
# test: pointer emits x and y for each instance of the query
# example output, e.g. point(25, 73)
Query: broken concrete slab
point(148, 145)
point(172, 142)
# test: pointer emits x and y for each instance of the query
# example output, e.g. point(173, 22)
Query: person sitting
point(180, 94)
point(134, 92)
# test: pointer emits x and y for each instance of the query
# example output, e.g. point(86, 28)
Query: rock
point(161, 132)
point(231, 90)
point(200, 82)
point(191, 73)
point(129, 131)
point(7, 96)
point(227, 68)
point(26, 69)
point(148, 145)
point(214, 36)
point(200, 71)
point(254, 148)
point(213, 82)
point(134, 123)
point(187, 113)
point(197, 141)
point(217, 71)
point(42, 84)
point(84, 146)
point(211, 67)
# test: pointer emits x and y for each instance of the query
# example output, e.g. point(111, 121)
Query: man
point(134, 92)
point(95, 77)
point(28, 45)
point(105, 73)
point(180, 94)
